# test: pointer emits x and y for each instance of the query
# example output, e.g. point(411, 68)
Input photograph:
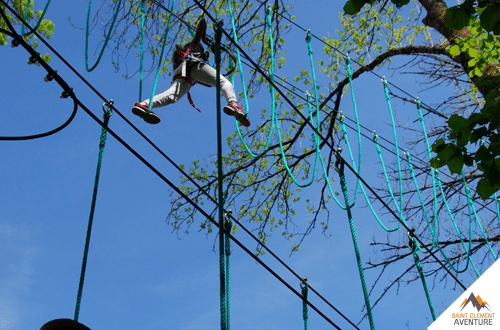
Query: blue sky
point(141, 275)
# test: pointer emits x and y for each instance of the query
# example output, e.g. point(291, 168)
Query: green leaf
point(473, 53)
point(456, 163)
point(482, 154)
point(457, 122)
point(438, 145)
point(472, 62)
point(447, 152)
point(478, 134)
point(463, 137)
point(436, 163)
point(475, 118)
point(468, 160)
point(489, 82)
point(454, 50)
point(352, 7)
point(489, 18)
point(485, 189)
point(456, 18)
point(400, 3)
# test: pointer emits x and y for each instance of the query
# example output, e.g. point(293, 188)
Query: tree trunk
point(436, 10)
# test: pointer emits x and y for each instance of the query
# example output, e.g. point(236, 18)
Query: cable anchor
point(411, 239)
point(50, 76)
point(34, 58)
point(339, 163)
point(109, 106)
point(228, 225)
point(65, 94)
point(303, 286)
point(15, 41)
point(308, 35)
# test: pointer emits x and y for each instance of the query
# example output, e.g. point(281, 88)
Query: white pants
point(198, 72)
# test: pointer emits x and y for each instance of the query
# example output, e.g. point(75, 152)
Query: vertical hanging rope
point(102, 143)
point(141, 59)
point(228, 225)
point(223, 316)
point(418, 264)
point(340, 169)
point(305, 314)
point(160, 61)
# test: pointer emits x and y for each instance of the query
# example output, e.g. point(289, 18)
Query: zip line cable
point(383, 203)
point(364, 135)
point(476, 215)
point(191, 179)
point(324, 102)
point(177, 190)
point(69, 92)
point(337, 154)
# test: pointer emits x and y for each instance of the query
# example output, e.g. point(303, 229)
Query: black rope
point(71, 94)
point(41, 135)
point(337, 155)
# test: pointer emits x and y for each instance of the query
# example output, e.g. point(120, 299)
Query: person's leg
point(177, 90)
point(205, 74)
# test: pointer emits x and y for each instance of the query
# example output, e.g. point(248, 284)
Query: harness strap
point(191, 83)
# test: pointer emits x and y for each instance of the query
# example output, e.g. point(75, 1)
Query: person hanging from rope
point(190, 67)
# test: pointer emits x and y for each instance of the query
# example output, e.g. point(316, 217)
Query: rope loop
point(107, 107)
point(411, 240)
point(339, 163)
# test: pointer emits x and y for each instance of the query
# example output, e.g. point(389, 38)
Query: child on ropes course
point(190, 67)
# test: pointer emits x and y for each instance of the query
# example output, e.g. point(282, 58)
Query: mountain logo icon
point(476, 302)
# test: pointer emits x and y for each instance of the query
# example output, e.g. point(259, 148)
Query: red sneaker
point(233, 109)
point(142, 111)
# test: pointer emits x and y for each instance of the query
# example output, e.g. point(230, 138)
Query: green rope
point(429, 225)
point(141, 57)
point(421, 117)
point(344, 133)
point(217, 51)
point(39, 20)
point(355, 109)
point(418, 264)
point(305, 314)
point(87, 32)
point(343, 183)
point(435, 175)
point(471, 206)
point(160, 61)
point(434, 231)
point(498, 210)
point(388, 99)
point(316, 139)
point(243, 86)
point(102, 143)
point(228, 227)
point(389, 188)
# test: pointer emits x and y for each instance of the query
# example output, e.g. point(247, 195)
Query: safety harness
point(189, 58)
